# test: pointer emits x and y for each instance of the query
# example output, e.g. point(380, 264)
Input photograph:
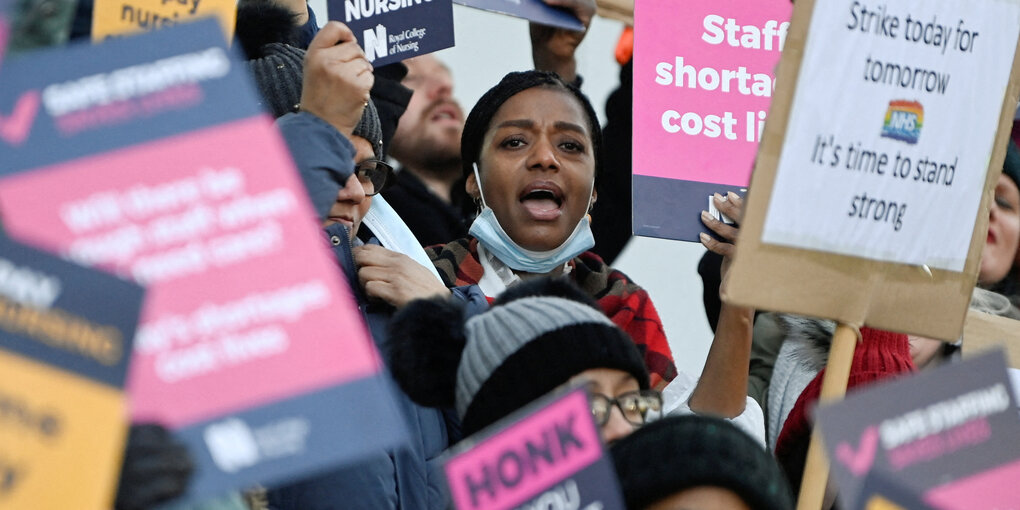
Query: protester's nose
point(543, 155)
point(352, 191)
point(440, 86)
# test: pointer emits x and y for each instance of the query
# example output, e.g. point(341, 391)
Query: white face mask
point(490, 233)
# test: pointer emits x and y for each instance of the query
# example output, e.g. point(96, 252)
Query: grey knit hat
point(535, 337)
point(278, 77)
point(370, 128)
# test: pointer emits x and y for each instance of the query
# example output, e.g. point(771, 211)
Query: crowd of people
point(508, 293)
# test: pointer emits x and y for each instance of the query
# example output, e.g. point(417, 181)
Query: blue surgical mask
point(490, 234)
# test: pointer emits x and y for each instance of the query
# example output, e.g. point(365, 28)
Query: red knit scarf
point(625, 303)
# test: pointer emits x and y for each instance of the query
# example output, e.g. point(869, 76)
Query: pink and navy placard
point(703, 82)
point(548, 453)
point(951, 434)
point(395, 30)
point(5, 26)
point(149, 157)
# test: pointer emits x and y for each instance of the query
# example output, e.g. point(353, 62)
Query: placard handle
point(837, 373)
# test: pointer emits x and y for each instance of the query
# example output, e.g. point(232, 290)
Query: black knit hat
point(536, 337)
point(682, 452)
point(1011, 165)
point(485, 109)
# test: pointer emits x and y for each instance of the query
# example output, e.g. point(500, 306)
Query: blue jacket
point(408, 478)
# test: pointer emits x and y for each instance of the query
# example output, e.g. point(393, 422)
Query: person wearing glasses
point(539, 336)
point(338, 144)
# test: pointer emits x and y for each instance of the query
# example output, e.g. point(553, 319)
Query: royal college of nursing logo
point(903, 121)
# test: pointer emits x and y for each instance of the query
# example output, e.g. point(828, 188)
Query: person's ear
point(471, 187)
point(594, 198)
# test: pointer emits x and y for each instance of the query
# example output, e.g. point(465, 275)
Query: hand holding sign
point(553, 48)
point(731, 206)
point(337, 78)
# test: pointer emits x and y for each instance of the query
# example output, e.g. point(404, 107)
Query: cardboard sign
point(152, 159)
point(65, 339)
point(535, 11)
point(952, 434)
point(123, 17)
point(395, 30)
point(702, 86)
point(547, 455)
point(983, 331)
point(835, 225)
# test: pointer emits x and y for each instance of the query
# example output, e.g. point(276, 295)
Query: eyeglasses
point(374, 175)
point(637, 407)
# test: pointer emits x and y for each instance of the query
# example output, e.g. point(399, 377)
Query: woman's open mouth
point(543, 200)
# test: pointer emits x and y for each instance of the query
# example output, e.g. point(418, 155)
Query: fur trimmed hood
point(804, 353)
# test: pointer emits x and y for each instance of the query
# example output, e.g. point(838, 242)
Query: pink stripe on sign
point(703, 82)
point(526, 458)
point(244, 303)
point(995, 488)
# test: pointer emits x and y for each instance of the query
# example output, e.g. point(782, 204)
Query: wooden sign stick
point(837, 373)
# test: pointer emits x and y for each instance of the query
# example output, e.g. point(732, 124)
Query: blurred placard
point(66, 333)
point(150, 157)
point(951, 434)
point(124, 17)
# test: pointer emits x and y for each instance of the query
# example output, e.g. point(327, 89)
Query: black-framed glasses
point(375, 175)
point(637, 407)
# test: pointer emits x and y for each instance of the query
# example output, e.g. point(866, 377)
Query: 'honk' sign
point(549, 456)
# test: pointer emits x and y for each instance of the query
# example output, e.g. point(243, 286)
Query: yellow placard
point(61, 438)
point(122, 17)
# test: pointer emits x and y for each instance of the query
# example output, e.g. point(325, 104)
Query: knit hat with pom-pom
point(535, 337)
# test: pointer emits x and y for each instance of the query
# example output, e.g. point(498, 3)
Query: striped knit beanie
point(534, 339)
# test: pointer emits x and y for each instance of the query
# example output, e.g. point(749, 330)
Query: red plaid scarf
point(626, 304)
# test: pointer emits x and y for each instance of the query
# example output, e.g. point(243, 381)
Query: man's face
point(428, 134)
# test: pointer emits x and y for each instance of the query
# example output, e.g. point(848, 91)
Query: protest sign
point(702, 86)
point(66, 333)
point(620, 10)
point(394, 30)
point(532, 10)
point(983, 331)
point(5, 26)
point(869, 199)
point(151, 158)
point(880, 492)
point(547, 455)
point(122, 17)
point(952, 434)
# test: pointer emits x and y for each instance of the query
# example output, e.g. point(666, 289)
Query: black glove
point(156, 468)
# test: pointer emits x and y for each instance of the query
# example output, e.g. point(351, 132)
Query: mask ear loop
point(478, 180)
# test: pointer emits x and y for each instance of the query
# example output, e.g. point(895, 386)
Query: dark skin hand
point(552, 49)
point(722, 389)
